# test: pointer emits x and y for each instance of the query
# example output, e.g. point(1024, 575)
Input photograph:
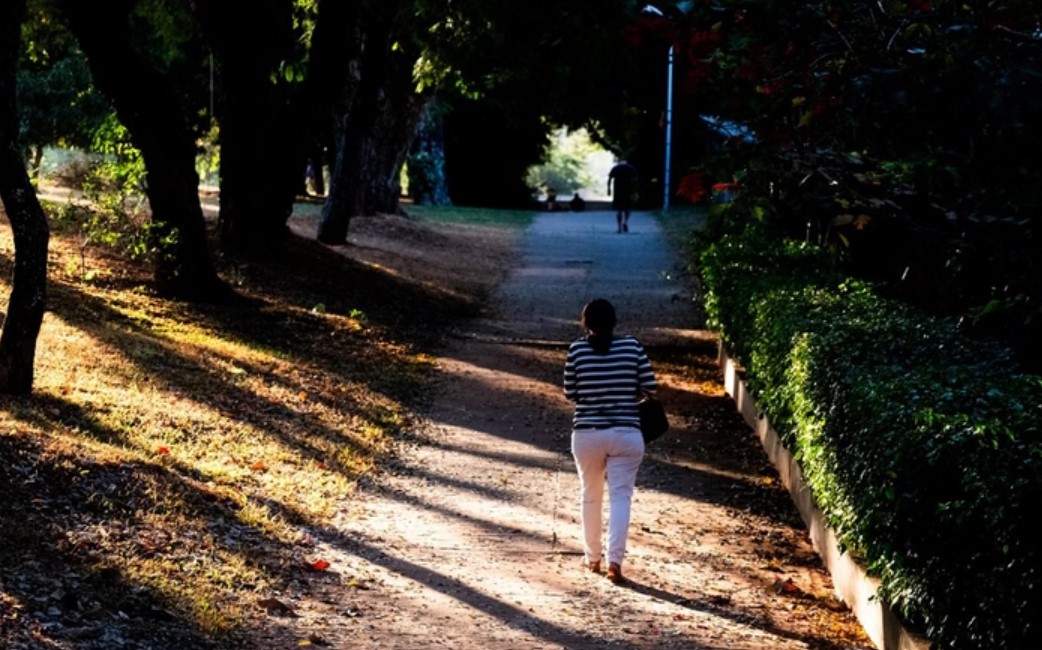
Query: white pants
point(616, 454)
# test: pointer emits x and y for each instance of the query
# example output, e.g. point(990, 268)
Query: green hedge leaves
point(921, 447)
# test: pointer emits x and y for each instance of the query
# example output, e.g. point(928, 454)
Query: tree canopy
point(897, 133)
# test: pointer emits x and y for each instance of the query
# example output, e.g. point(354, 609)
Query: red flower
point(692, 187)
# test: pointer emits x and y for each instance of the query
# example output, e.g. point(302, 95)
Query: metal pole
point(669, 128)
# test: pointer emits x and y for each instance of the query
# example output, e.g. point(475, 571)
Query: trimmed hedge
point(921, 447)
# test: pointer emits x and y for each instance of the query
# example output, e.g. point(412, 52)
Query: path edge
point(850, 581)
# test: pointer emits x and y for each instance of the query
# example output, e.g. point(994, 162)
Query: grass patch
point(519, 219)
point(174, 460)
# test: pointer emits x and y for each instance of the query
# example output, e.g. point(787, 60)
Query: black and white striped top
point(606, 387)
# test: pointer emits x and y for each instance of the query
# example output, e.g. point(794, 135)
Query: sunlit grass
point(183, 453)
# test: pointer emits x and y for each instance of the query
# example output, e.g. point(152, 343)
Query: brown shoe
point(614, 573)
point(594, 567)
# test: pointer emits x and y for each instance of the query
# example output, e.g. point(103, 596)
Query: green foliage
point(115, 186)
point(899, 135)
point(57, 104)
point(921, 446)
point(516, 70)
point(426, 173)
point(208, 156)
point(564, 167)
point(168, 32)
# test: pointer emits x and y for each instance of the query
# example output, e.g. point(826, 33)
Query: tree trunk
point(346, 191)
point(262, 167)
point(149, 105)
point(389, 142)
point(259, 176)
point(353, 126)
point(427, 183)
point(29, 283)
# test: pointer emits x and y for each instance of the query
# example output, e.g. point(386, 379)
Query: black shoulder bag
point(653, 420)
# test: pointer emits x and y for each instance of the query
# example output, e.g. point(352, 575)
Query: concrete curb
point(850, 581)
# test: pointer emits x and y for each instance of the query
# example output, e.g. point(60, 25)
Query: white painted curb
point(849, 580)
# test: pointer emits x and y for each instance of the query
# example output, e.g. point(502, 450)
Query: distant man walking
point(624, 176)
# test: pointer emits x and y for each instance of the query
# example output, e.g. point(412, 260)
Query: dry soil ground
point(471, 539)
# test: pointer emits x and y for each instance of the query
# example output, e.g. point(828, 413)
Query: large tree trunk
point(392, 136)
point(330, 81)
point(149, 105)
point(260, 174)
point(262, 164)
point(267, 128)
point(354, 124)
point(346, 190)
point(21, 325)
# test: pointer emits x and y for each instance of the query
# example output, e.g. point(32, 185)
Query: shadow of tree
point(722, 608)
point(79, 539)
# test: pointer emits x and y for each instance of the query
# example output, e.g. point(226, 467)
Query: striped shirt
point(606, 387)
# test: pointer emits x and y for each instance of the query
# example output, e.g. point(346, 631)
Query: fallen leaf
point(786, 586)
point(319, 565)
point(163, 451)
point(259, 466)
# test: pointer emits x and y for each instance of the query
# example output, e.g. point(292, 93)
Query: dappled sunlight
point(438, 539)
point(180, 415)
point(273, 469)
point(173, 458)
point(496, 488)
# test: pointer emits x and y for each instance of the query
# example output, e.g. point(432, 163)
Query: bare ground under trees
point(466, 535)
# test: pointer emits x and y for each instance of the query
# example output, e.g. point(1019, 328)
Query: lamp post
point(651, 9)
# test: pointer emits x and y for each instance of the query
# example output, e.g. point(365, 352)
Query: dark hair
point(598, 317)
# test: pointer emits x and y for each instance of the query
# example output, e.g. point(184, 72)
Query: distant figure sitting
point(577, 203)
point(551, 200)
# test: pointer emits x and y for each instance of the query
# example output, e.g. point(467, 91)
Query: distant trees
point(57, 105)
point(352, 78)
point(564, 168)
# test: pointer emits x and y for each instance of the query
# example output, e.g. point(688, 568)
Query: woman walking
point(605, 376)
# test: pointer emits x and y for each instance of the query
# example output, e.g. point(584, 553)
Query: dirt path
point(473, 541)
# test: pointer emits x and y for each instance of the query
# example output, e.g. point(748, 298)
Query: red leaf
point(319, 565)
point(163, 451)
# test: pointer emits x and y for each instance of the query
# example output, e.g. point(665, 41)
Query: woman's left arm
point(645, 375)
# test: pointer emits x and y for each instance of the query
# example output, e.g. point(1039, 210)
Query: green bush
point(922, 447)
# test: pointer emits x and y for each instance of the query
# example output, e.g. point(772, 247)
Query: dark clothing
point(624, 177)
